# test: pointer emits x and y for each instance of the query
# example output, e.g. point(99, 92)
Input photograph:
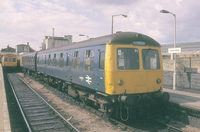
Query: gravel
point(82, 119)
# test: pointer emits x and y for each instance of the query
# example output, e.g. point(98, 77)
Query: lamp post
point(113, 17)
point(84, 35)
point(174, 54)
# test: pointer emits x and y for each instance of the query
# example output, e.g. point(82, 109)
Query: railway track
point(38, 114)
point(16, 120)
point(123, 126)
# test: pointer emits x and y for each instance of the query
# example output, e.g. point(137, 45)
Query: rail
point(74, 128)
point(35, 110)
point(20, 107)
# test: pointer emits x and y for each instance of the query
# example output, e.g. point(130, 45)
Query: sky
point(30, 21)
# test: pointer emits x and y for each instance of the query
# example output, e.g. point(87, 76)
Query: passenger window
point(45, 62)
point(5, 60)
point(67, 59)
point(127, 59)
point(49, 60)
point(54, 60)
point(88, 64)
point(42, 60)
point(61, 55)
point(101, 60)
point(61, 61)
point(76, 60)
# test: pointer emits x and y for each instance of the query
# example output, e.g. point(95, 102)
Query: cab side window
point(101, 60)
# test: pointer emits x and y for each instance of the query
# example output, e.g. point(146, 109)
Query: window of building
point(5, 59)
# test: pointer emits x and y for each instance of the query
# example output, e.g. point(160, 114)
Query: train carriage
point(74, 63)
point(114, 72)
point(28, 62)
point(9, 61)
point(0, 58)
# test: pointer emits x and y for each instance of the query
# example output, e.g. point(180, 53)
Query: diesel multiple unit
point(9, 61)
point(117, 73)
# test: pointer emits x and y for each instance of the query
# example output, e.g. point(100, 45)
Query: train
point(119, 73)
point(0, 58)
point(9, 61)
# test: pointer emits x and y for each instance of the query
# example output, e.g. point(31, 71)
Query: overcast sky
point(25, 21)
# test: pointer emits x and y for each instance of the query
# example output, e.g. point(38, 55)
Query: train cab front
point(134, 72)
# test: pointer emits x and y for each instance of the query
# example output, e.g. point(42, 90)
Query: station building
point(50, 42)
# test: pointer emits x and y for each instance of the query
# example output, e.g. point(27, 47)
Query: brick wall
point(181, 76)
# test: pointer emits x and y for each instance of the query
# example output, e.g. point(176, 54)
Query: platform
point(184, 99)
point(4, 115)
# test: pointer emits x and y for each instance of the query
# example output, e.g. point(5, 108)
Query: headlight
point(158, 80)
point(120, 82)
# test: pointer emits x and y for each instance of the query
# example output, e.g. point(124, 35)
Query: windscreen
point(150, 59)
point(127, 59)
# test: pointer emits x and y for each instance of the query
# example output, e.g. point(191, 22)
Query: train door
point(100, 61)
point(45, 63)
point(35, 61)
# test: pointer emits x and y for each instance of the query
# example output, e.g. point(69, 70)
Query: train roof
point(5, 53)
point(117, 38)
point(9, 54)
